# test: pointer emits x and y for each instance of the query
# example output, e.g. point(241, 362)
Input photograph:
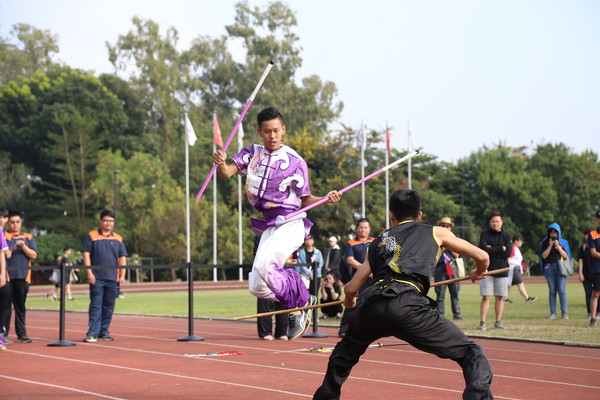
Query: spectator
point(103, 247)
point(594, 245)
point(498, 245)
point(355, 253)
point(334, 256)
point(553, 248)
point(309, 254)
point(515, 262)
point(585, 274)
point(66, 264)
point(265, 324)
point(5, 291)
point(445, 269)
point(23, 252)
point(330, 292)
point(55, 279)
point(3, 278)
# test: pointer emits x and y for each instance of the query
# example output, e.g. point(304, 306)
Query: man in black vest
point(402, 260)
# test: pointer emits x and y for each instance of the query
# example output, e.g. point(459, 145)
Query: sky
point(459, 74)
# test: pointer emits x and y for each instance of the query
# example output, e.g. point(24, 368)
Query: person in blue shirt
point(23, 251)
point(103, 247)
point(312, 256)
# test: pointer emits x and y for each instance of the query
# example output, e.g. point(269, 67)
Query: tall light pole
point(117, 171)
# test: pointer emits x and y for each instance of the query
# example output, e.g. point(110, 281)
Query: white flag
point(189, 132)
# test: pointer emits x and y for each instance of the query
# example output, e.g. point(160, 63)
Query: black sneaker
point(299, 323)
point(531, 300)
point(509, 301)
point(108, 338)
point(24, 339)
point(593, 323)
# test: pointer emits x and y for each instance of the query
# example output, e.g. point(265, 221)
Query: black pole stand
point(61, 341)
point(315, 333)
point(190, 337)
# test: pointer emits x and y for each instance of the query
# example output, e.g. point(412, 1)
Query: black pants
point(5, 308)
point(411, 318)
point(265, 324)
point(20, 288)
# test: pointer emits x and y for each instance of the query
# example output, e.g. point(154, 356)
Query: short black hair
point(66, 248)
point(363, 220)
point(495, 213)
point(517, 237)
point(14, 213)
point(3, 212)
point(405, 203)
point(268, 114)
point(106, 213)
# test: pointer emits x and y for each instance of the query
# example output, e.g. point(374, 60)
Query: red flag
point(388, 139)
point(217, 132)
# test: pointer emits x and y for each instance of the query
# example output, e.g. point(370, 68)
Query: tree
point(33, 52)
point(16, 185)
point(74, 150)
point(575, 179)
point(47, 112)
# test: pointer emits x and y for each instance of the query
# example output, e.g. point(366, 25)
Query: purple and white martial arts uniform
point(275, 184)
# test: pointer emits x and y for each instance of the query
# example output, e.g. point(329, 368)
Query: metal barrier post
point(190, 337)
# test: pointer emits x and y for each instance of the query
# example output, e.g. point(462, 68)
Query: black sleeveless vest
point(408, 251)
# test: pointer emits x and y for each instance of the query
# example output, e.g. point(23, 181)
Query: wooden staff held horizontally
point(335, 303)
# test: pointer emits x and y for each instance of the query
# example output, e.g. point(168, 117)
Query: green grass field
point(522, 320)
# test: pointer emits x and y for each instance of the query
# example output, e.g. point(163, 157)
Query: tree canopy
point(65, 133)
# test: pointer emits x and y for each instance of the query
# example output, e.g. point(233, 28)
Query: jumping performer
point(276, 185)
point(402, 260)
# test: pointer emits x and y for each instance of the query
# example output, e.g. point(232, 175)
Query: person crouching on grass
point(402, 260)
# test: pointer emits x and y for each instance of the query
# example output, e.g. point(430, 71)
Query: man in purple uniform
point(276, 185)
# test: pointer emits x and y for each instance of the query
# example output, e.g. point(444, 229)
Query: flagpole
point(214, 221)
point(409, 161)
point(187, 198)
point(362, 167)
point(239, 177)
point(387, 179)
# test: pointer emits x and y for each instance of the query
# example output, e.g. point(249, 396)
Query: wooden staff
point(335, 303)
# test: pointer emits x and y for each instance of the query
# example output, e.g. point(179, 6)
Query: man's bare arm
point(225, 171)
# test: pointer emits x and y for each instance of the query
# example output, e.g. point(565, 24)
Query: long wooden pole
point(236, 126)
point(335, 303)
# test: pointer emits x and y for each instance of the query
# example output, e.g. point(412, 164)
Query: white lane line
point(168, 374)
point(61, 387)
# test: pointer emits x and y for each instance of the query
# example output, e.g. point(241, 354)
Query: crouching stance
point(402, 260)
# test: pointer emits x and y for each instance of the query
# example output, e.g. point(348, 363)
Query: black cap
point(598, 214)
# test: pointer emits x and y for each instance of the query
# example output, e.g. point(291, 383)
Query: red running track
point(147, 362)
